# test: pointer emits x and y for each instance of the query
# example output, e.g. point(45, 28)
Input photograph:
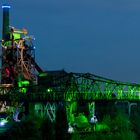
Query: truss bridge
point(60, 85)
point(25, 87)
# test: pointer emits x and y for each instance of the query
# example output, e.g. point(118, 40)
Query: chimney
point(5, 29)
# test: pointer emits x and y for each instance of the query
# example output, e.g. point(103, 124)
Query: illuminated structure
point(18, 53)
point(18, 78)
point(18, 66)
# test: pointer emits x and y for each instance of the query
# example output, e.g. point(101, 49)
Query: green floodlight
point(49, 90)
point(26, 82)
point(3, 122)
point(16, 35)
point(24, 90)
point(43, 74)
point(23, 83)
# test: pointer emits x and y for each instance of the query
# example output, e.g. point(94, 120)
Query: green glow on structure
point(92, 108)
point(24, 90)
point(43, 74)
point(71, 109)
point(49, 90)
point(23, 84)
point(16, 36)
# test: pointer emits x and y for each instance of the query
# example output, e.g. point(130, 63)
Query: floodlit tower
point(5, 28)
point(5, 51)
point(18, 53)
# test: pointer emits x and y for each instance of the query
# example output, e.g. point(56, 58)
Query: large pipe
point(5, 29)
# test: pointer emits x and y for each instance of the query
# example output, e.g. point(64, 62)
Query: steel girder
point(91, 87)
point(73, 87)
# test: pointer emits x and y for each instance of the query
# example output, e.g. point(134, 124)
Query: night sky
point(96, 36)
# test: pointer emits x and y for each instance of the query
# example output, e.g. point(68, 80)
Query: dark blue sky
point(96, 36)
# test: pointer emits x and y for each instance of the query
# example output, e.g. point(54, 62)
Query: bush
point(27, 129)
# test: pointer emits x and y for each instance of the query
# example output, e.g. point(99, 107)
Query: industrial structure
point(25, 87)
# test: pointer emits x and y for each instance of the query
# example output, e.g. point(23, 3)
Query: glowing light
point(3, 122)
point(49, 90)
point(70, 129)
point(23, 83)
point(93, 119)
point(6, 6)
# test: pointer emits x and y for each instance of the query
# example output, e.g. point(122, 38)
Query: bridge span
point(60, 85)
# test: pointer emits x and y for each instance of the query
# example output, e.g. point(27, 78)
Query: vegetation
point(120, 127)
point(37, 128)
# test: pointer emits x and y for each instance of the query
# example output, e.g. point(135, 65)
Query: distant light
point(93, 119)
point(70, 129)
point(2, 123)
point(49, 90)
point(6, 6)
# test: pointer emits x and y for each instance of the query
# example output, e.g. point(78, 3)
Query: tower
point(18, 53)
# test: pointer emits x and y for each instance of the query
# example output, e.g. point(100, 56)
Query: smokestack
point(5, 29)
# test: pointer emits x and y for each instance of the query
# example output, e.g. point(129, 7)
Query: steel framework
point(76, 86)
point(18, 63)
point(17, 57)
